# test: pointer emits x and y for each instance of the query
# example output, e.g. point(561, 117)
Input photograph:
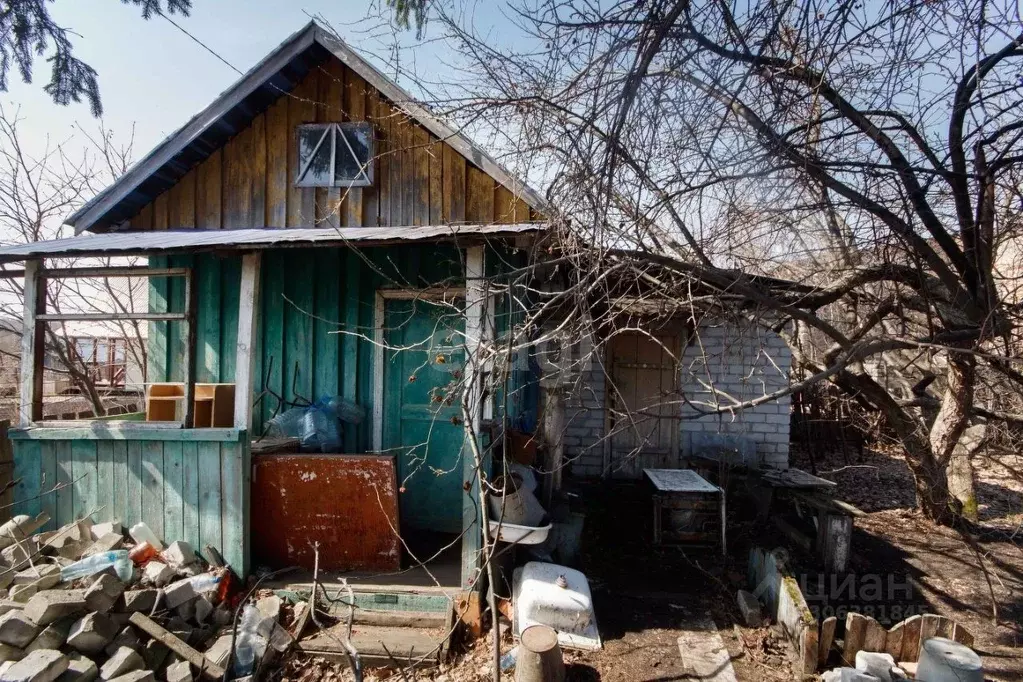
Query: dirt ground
point(645, 598)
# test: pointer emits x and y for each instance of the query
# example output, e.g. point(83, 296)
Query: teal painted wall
point(186, 485)
point(315, 323)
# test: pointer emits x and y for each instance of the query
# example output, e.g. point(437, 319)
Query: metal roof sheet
point(139, 243)
point(273, 77)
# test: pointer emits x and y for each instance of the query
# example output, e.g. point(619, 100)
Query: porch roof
point(153, 242)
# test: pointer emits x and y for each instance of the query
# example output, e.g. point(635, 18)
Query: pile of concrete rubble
point(89, 601)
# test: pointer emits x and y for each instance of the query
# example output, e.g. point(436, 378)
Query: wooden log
point(911, 638)
point(174, 643)
point(875, 636)
point(855, 631)
point(826, 639)
point(834, 538)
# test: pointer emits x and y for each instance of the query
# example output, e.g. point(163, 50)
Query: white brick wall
point(740, 360)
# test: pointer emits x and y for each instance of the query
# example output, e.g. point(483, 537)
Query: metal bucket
point(517, 504)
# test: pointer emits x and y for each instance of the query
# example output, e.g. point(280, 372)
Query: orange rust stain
point(348, 503)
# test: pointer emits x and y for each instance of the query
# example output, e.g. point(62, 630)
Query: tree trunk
point(931, 485)
point(960, 469)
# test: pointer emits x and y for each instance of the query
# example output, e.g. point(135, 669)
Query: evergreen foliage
point(27, 31)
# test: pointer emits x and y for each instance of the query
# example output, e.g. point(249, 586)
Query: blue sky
point(155, 77)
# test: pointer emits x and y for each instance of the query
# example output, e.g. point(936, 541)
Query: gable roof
point(277, 74)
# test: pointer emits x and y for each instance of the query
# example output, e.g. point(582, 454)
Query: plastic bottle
point(142, 553)
point(508, 660)
point(143, 533)
point(92, 565)
point(204, 582)
point(245, 651)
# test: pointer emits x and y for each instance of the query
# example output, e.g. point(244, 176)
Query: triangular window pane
point(314, 153)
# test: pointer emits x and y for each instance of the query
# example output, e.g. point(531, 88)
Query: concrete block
point(136, 676)
point(44, 665)
point(100, 529)
point(17, 629)
point(128, 637)
point(79, 669)
point(140, 600)
point(103, 593)
point(46, 607)
point(749, 606)
point(179, 672)
point(15, 555)
point(220, 650)
point(43, 576)
point(91, 633)
point(203, 608)
point(22, 593)
point(124, 661)
point(179, 592)
point(157, 573)
point(10, 653)
point(108, 542)
point(877, 664)
point(155, 653)
point(179, 554)
point(53, 636)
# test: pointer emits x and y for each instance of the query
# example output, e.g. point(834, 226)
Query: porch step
point(408, 619)
point(380, 645)
point(377, 598)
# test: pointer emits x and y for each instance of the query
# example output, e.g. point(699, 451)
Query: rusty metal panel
point(348, 503)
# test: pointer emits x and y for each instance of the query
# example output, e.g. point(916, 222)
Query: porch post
point(248, 322)
point(475, 314)
point(31, 396)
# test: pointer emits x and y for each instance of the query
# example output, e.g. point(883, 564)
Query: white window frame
point(365, 178)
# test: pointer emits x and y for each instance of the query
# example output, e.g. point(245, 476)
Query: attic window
point(335, 155)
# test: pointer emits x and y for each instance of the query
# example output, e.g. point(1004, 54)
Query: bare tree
point(846, 173)
point(36, 193)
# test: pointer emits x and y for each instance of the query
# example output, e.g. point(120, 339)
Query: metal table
point(686, 494)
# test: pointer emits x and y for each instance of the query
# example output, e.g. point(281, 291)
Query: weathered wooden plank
point(385, 158)
point(331, 206)
point(31, 463)
point(504, 205)
point(245, 339)
point(208, 317)
point(173, 484)
point(962, 635)
point(143, 220)
point(893, 641)
point(208, 194)
point(436, 152)
point(875, 637)
point(421, 176)
point(133, 504)
point(210, 528)
point(404, 185)
point(244, 189)
point(355, 110)
point(855, 631)
point(326, 340)
point(299, 288)
point(277, 139)
point(30, 403)
point(105, 431)
point(230, 299)
point(944, 628)
point(911, 638)
point(371, 194)
point(827, 638)
point(190, 494)
point(479, 202)
point(118, 451)
point(350, 340)
point(181, 202)
point(273, 304)
point(86, 478)
point(301, 109)
point(929, 625)
point(160, 212)
point(158, 332)
point(65, 476)
point(234, 473)
point(152, 486)
point(105, 471)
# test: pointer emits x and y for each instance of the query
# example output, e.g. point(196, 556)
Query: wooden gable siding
point(249, 182)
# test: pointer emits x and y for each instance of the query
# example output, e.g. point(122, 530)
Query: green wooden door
point(422, 425)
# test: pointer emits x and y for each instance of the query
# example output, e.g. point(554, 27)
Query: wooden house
point(313, 232)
